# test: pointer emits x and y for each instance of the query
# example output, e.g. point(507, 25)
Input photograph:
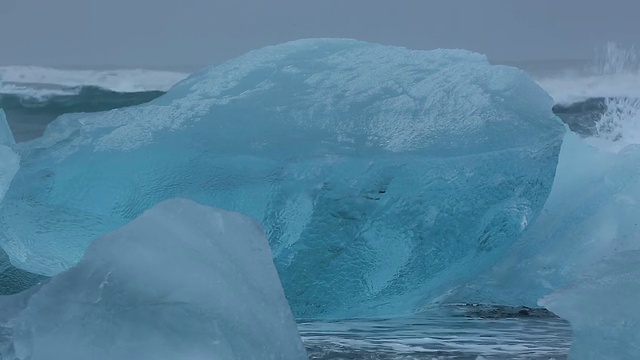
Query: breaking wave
point(603, 104)
point(32, 97)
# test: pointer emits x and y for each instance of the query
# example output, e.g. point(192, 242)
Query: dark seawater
point(28, 116)
point(582, 117)
point(453, 332)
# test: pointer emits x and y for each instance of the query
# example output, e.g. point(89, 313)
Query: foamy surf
point(614, 73)
point(612, 83)
point(449, 333)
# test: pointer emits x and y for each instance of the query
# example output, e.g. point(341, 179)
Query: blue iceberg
point(182, 281)
point(383, 176)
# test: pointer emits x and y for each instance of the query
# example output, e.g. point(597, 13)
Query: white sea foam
point(438, 335)
point(615, 76)
point(569, 88)
point(39, 81)
point(619, 125)
point(614, 73)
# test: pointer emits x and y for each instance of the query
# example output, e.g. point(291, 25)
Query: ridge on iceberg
point(410, 171)
point(16, 78)
point(182, 281)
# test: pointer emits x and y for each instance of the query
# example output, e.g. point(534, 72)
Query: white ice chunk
point(182, 281)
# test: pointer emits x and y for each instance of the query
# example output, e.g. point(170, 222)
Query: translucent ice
point(603, 310)
point(383, 176)
point(182, 281)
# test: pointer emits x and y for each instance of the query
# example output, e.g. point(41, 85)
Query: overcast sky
point(161, 33)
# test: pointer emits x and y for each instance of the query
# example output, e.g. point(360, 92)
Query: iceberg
point(382, 176)
point(602, 308)
point(182, 281)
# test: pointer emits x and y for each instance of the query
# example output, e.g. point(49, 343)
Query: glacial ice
point(602, 307)
point(182, 281)
point(382, 176)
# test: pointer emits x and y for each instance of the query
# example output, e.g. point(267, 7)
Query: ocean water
point(452, 332)
point(32, 97)
point(598, 100)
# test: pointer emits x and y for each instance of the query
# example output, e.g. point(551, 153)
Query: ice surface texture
point(603, 309)
point(382, 176)
point(182, 281)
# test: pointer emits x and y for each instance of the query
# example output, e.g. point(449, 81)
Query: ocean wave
point(615, 73)
point(567, 89)
point(28, 116)
point(39, 82)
